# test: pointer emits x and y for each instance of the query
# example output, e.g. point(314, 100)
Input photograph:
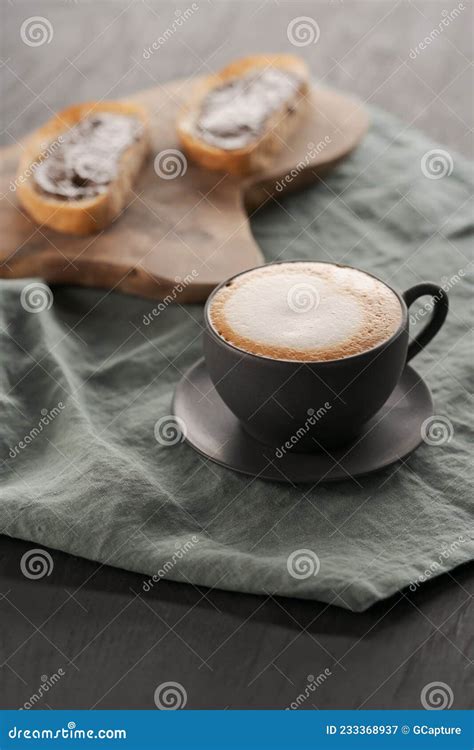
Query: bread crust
point(87, 215)
point(258, 154)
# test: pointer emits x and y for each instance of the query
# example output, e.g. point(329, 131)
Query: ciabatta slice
point(89, 214)
point(277, 129)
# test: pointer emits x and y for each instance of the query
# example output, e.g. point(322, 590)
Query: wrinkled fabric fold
point(96, 482)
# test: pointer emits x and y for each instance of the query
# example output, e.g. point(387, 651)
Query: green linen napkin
point(84, 382)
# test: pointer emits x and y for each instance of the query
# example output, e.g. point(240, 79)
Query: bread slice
point(89, 214)
point(278, 127)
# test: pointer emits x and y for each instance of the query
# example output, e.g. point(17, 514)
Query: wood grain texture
point(183, 222)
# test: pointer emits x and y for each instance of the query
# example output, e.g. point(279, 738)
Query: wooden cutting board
point(183, 224)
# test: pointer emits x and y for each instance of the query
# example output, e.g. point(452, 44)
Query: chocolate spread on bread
point(86, 158)
point(235, 113)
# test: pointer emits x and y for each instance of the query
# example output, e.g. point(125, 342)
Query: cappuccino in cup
point(305, 311)
point(284, 339)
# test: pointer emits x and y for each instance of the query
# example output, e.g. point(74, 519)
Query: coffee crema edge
point(379, 330)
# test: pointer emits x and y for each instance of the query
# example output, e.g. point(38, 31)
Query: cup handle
point(440, 310)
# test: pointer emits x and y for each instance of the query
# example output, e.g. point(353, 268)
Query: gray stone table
point(229, 650)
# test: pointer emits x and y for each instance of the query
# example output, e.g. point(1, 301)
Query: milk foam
point(305, 311)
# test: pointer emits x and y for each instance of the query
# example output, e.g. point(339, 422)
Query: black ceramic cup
point(309, 406)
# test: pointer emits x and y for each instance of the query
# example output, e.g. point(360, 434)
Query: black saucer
point(211, 429)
